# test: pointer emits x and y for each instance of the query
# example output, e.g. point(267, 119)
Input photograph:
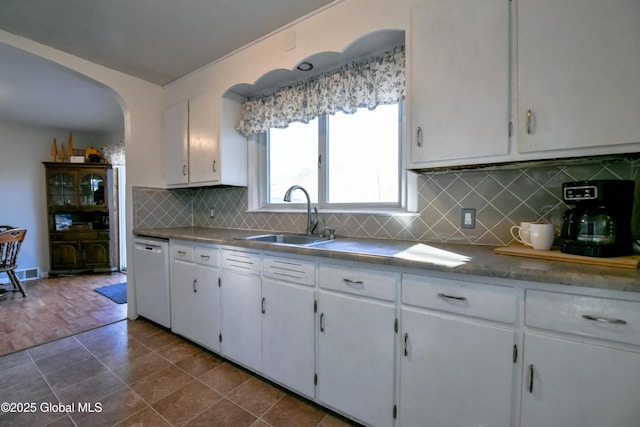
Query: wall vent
point(24, 274)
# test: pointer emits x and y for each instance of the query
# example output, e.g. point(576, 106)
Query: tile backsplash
point(502, 197)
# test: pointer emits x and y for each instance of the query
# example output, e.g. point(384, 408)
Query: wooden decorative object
point(54, 150)
point(70, 146)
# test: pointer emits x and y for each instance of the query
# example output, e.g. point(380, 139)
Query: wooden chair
point(10, 241)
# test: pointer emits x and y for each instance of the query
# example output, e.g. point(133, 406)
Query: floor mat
point(116, 293)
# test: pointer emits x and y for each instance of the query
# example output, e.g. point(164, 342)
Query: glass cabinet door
point(62, 189)
point(92, 192)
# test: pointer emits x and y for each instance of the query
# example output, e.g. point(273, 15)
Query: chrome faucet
point(311, 224)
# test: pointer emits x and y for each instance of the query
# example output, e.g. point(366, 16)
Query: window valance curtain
point(375, 81)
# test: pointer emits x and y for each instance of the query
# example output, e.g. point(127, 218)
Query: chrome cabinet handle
point(204, 257)
point(445, 296)
point(263, 299)
point(529, 122)
point(195, 286)
point(353, 282)
point(321, 322)
point(213, 166)
point(604, 319)
point(406, 344)
point(419, 136)
point(530, 378)
point(184, 170)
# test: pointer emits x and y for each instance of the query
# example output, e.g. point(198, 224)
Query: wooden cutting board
point(631, 261)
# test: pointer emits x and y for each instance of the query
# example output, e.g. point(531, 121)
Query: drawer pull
point(181, 252)
point(604, 319)
point(353, 282)
point(204, 257)
point(441, 295)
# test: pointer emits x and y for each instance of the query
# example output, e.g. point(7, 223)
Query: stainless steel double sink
point(287, 239)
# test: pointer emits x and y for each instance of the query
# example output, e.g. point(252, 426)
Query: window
point(342, 160)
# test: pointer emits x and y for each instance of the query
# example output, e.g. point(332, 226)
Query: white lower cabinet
point(356, 343)
point(195, 294)
point(240, 298)
point(454, 372)
point(288, 319)
point(569, 383)
point(457, 364)
point(581, 361)
point(288, 343)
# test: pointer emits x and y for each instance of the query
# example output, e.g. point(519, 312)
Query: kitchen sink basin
point(287, 239)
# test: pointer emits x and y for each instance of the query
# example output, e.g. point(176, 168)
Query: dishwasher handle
point(148, 247)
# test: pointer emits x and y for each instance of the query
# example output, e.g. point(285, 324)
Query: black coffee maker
point(600, 223)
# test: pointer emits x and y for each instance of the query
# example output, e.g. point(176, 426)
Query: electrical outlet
point(212, 213)
point(468, 218)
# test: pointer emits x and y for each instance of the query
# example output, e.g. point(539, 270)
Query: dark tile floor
point(134, 373)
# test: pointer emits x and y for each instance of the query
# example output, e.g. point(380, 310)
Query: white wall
point(23, 148)
point(333, 29)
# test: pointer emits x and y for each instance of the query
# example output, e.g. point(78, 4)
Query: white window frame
point(258, 179)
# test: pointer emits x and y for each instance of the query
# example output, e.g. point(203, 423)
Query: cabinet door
point(454, 373)
point(578, 71)
point(356, 357)
point(176, 128)
point(288, 340)
point(65, 256)
point(195, 303)
point(241, 322)
point(96, 254)
point(204, 163)
point(61, 188)
point(92, 188)
point(459, 80)
point(579, 384)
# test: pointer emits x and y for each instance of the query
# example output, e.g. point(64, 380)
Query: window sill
point(363, 211)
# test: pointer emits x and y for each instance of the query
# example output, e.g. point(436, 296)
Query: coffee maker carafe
point(600, 223)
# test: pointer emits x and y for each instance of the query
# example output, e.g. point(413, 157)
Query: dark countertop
point(476, 260)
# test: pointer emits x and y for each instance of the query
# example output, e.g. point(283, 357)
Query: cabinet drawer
point(455, 296)
point(358, 281)
point(246, 262)
point(604, 318)
point(207, 256)
point(181, 252)
point(290, 269)
point(68, 236)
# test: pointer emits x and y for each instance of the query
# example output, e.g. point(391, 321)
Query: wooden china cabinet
point(81, 215)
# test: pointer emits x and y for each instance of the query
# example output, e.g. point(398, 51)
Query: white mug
point(522, 233)
point(542, 236)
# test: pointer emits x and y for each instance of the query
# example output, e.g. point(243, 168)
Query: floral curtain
point(376, 81)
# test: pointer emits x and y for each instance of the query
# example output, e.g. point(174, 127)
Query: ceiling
point(156, 40)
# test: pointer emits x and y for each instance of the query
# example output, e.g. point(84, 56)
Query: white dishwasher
point(151, 263)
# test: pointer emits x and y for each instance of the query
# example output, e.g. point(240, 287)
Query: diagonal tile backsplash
point(501, 197)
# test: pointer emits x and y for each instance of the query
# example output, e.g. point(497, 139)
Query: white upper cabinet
point(459, 82)
point(204, 159)
point(578, 84)
point(176, 134)
point(572, 69)
point(202, 146)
